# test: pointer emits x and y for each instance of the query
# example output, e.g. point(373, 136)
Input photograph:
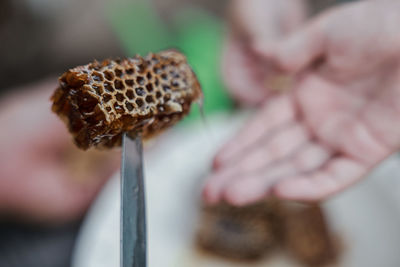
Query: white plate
point(367, 217)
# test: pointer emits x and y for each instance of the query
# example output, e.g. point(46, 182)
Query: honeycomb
point(254, 231)
point(140, 95)
point(237, 232)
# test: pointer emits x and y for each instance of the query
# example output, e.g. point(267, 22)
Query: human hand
point(256, 23)
point(338, 122)
point(41, 173)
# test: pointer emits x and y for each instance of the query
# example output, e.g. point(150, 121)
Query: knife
point(133, 211)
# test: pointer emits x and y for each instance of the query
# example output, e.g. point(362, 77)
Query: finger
point(338, 174)
point(255, 19)
point(254, 186)
point(212, 189)
point(355, 140)
point(296, 51)
point(288, 16)
point(277, 112)
point(344, 130)
point(281, 144)
point(241, 74)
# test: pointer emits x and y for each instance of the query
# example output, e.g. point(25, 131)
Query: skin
point(36, 183)
point(256, 23)
point(335, 124)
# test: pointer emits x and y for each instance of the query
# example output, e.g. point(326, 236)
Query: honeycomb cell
point(98, 77)
point(109, 75)
point(109, 87)
point(130, 71)
point(99, 101)
point(149, 99)
point(128, 106)
point(118, 73)
point(166, 88)
point(119, 108)
point(119, 85)
point(140, 91)
point(174, 83)
point(120, 97)
point(107, 97)
point(139, 102)
point(157, 70)
point(98, 88)
point(129, 82)
point(129, 94)
point(141, 68)
point(140, 80)
point(149, 87)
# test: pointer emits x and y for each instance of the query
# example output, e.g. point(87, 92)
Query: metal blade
point(133, 211)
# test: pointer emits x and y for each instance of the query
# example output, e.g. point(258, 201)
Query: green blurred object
point(197, 34)
point(138, 27)
point(200, 39)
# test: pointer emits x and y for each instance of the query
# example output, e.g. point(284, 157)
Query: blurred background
point(40, 39)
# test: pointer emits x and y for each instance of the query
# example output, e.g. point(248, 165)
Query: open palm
point(335, 125)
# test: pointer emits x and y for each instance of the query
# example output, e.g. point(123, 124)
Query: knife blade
point(133, 234)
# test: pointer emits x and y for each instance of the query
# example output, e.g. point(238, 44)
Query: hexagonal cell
point(129, 94)
point(149, 99)
point(107, 97)
point(130, 71)
point(119, 85)
point(129, 82)
point(97, 76)
point(120, 97)
point(98, 88)
point(109, 75)
point(109, 87)
point(141, 68)
point(118, 73)
point(149, 87)
point(140, 80)
point(119, 108)
point(139, 102)
point(166, 88)
point(140, 91)
point(128, 106)
point(157, 70)
point(174, 83)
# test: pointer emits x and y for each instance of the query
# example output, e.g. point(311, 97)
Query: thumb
point(297, 50)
